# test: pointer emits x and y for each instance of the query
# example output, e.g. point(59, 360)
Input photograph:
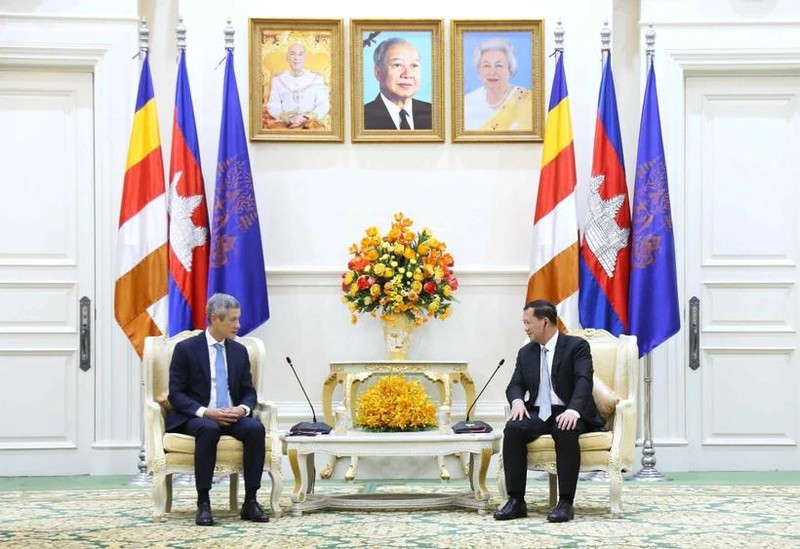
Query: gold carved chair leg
point(553, 480)
point(233, 494)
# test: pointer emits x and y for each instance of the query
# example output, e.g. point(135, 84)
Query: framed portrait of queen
point(296, 86)
point(497, 91)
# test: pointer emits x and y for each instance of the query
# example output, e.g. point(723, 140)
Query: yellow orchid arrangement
point(401, 272)
point(394, 403)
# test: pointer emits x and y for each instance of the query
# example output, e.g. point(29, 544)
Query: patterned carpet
point(664, 514)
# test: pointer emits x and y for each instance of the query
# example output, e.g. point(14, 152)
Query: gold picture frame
point(415, 97)
point(296, 80)
point(497, 81)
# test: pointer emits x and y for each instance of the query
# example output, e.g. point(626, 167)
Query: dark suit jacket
point(571, 377)
point(190, 378)
point(376, 117)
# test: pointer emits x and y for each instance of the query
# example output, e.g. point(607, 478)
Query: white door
point(742, 246)
point(46, 266)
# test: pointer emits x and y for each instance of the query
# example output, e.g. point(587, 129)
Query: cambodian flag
point(605, 248)
point(188, 217)
point(237, 259)
point(654, 313)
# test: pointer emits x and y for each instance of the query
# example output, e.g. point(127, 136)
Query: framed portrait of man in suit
point(296, 72)
point(397, 80)
point(498, 88)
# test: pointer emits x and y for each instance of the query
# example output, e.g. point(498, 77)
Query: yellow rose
point(351, 306)
point(399, 249)
point(418, 275)
point(388, 273)
point(409, 254)
point(375, 290)
point(447, 290)
point(372, 254)
point(379, 269)
point(416, 286)
point(432, 306)
point(423, 248)
point(348, 278)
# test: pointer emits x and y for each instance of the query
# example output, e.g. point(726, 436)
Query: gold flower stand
point(351, 374)
point(480, 447)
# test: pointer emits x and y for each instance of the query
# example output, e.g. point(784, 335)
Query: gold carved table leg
point(327, 398)
point(303, 471)
point(479, 484)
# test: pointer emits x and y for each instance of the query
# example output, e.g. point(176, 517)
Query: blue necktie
point(545, 407)
point(222, 377)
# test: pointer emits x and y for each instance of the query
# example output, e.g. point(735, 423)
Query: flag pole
point(648, 472)
point(142, 477)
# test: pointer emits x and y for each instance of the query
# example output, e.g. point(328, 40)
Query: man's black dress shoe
point(204, 516)
point(514, 508)
point(252, 511)
point(563, 512)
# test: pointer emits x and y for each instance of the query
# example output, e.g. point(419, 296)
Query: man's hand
point(224, 416)
point(518, 410)
point(297, 121)
point(566, 421)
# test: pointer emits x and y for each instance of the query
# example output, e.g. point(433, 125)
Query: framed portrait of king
point(397, 80)
point(296, 72)
point(497, 87)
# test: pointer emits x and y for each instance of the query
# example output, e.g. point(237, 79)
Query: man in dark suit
point(559, 404)
point(211, 393)
point(397, 69)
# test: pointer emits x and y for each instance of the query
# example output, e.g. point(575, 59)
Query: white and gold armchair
point(168, 453)
point(616, 383)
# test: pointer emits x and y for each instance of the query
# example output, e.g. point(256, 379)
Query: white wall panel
point(751, 396)
point(39, 307)
point(43, 372)
point(749, 307)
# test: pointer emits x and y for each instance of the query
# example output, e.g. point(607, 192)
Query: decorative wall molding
point(309, 276)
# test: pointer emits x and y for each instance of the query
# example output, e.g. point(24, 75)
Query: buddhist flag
point(654, 314)
point(188, 217)
point(605, 247)
point(237, 259)
point(140, 293)
point(554, 254)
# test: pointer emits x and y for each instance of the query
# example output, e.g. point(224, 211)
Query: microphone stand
point(308, 428)
point(467, 426)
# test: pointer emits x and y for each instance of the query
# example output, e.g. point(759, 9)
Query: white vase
point(397, 333)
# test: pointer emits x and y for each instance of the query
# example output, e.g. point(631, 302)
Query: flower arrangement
point(401, 272)
point(394, 403)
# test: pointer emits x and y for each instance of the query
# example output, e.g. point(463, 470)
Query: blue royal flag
point(653, 303)
point(237, 258)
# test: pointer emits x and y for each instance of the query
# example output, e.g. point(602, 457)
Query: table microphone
point(307, 427)
point(468, 426)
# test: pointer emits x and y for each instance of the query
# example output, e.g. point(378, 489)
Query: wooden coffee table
point(301, 451)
